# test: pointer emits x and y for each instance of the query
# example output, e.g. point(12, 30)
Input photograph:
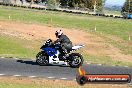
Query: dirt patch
point(45, 83)
point(94, 44)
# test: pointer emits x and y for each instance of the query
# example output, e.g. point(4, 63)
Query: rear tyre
point(76, 60)
point(42, 59)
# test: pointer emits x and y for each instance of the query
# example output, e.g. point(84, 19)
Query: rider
point(65, 42)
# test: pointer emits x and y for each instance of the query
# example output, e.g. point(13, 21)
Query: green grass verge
point(7, 85)
point(105, 60)
point(32, 85)
point(15, 47)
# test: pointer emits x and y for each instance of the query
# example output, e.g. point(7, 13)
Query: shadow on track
point(34, 63)
point(27, 62)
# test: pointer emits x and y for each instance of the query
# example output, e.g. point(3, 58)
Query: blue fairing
point(130, 16)
point(50, 51)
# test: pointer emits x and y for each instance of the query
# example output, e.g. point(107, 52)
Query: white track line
point(16, 58)
point(32, 76)
point(50, 77)
point(2, 57)
point(74, 79)
point(88, 63)
point(2, 74)
point(63, 78)
point(99, 64)
point(16, 75)
point(126, 66)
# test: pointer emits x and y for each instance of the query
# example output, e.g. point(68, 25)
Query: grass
point(15, 47)
point(109, 26)
point(6, 85)
point(119, 28)
point(112, 12)
point(105, 60)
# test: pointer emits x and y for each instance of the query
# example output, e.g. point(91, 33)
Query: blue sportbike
point(51, 54)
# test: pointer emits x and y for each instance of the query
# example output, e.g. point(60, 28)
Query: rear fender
point(76, 47)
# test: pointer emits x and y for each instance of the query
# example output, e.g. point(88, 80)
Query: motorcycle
point(50, 54)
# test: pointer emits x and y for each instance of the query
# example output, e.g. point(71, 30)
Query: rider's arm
point(58, 40)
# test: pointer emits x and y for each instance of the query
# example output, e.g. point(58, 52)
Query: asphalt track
point(29, 68)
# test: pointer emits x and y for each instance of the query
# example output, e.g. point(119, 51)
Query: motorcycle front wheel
point(42, 59)
point(76, 60)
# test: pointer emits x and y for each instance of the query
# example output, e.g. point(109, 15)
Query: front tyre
point(76, 60)
point(42, 59)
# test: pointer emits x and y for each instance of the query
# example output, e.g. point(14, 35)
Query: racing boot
point(65, 54)
point(65, 63)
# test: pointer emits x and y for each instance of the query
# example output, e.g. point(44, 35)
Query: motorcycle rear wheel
point(42, 59)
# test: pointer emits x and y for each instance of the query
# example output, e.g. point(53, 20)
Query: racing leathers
point(65, 42)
